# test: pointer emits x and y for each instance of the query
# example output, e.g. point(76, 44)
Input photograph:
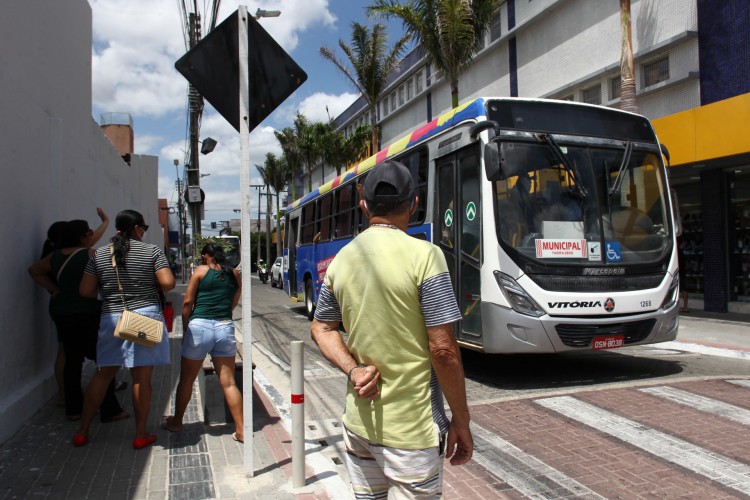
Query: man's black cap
point(389, 182)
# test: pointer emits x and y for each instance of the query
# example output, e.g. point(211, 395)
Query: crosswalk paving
point(634, 442)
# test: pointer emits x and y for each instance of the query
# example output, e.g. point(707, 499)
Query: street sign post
point(241, 70)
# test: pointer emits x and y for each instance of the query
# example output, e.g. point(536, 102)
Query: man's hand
point(365, 381)
point(101, 214)
point(460, 445)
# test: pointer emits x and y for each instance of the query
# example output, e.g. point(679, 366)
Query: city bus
point(555, 219)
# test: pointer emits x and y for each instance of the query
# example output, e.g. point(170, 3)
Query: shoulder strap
point(119, 285)
point(70, 257)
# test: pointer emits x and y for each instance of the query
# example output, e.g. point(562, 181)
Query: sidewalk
point(203, 461)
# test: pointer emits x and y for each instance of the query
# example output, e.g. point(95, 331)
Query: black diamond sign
point(212, 67)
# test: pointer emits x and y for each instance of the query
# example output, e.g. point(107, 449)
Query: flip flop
point(165, 424)
point(236, 438)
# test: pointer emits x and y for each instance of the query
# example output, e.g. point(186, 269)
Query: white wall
point(56, 165)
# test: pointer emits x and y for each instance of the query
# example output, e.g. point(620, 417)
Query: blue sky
point(135, 46)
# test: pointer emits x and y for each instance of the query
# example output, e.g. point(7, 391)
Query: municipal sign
point(449, 217)
point(471, 211)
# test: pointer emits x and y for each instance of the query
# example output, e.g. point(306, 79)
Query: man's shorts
point(209, 336)
point(375, 469)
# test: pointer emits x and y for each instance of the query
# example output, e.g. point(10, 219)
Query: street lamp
point(204, 175)
point(267, 13)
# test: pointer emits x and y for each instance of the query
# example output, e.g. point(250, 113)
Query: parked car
point(277, 272)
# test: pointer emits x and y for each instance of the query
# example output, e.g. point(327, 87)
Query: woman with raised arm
point(142, 270)
point(76, 317)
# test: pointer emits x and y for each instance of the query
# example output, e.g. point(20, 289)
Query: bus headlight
point(517, 296)
point(673, 293)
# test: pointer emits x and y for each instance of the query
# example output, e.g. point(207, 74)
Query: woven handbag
point(136, 327)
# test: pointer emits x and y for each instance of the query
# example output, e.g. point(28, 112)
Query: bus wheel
point(309, 306)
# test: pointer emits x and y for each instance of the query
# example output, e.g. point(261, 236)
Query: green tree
point(292, 156)
point(339, 151)
point(371, 62)
point(628, 99)
point(447, 32)
point(275, 175)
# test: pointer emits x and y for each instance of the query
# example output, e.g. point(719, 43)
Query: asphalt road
point(636, 422)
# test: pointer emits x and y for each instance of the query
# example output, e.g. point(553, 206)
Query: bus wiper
point(615, 187)
point(577, 188)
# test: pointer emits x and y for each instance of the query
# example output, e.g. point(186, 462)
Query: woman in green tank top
point(207, 326)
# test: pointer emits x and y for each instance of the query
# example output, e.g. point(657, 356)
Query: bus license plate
point(608, 342)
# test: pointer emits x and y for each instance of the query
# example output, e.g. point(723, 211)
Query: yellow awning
point(713, 131)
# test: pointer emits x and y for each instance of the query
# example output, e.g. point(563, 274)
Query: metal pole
point(257, 259)
point(247, 342)
point(298, 414)
point(269, 196)
point(196, 110)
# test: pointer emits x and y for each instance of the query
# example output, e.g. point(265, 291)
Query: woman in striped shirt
point(143, 271)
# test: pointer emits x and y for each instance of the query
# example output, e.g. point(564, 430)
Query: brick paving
point(526, 448)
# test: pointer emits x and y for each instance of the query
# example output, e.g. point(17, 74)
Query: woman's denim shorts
point(111, 351)
point(209, 336)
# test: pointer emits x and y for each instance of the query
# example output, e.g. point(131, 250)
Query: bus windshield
point(573, 204)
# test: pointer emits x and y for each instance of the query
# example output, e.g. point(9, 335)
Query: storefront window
point(690, 244)
point(739, 235)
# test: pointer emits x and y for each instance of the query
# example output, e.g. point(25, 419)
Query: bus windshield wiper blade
point(625, 161)
point(577, 188)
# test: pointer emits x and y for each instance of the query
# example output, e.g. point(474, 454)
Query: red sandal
point(139, 443)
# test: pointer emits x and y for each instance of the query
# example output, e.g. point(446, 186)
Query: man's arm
point(328, 338)
point(446, 361)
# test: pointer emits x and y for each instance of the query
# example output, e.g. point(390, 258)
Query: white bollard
point(298, 414)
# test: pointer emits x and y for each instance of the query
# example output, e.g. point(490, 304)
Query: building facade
point(692, 62)
point(58, 165)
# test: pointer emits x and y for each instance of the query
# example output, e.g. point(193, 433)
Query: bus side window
point(345, 211)
point(308, 224)
point(324, 218)
point(417, 164)
point(362, 221)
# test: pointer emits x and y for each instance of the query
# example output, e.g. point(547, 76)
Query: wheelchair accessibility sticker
point(613, 253)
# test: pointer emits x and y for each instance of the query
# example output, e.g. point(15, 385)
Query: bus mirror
point(492, 161)
point(676, 212)
point(665, 152)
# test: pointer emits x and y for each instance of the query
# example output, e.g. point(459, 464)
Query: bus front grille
point(555, 283)
point(581, 335)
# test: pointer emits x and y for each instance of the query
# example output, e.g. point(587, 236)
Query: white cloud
point(319, 106)
point(136, 43)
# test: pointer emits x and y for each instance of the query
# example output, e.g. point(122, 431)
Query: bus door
point(292, 224)
point(458, 215)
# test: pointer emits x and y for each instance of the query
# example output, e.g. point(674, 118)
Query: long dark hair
point(73, 232)
point(216, 252)
point(125, 223)
point(54, 234)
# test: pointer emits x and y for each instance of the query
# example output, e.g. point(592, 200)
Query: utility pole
point(258, 187)
point(196, 111)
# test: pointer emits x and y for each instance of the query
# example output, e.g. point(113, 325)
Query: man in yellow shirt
point(394, 296)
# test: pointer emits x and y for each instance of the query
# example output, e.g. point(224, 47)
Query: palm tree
point(275, 174)
point(371, 63)
point(339, 151)
point(628, 99)
point(447, 32)
point(292, 156)
point(355, 147)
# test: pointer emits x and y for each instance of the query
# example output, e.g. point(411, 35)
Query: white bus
point(555, 219)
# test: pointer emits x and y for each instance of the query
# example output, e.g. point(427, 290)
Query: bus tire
point(309, 306)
